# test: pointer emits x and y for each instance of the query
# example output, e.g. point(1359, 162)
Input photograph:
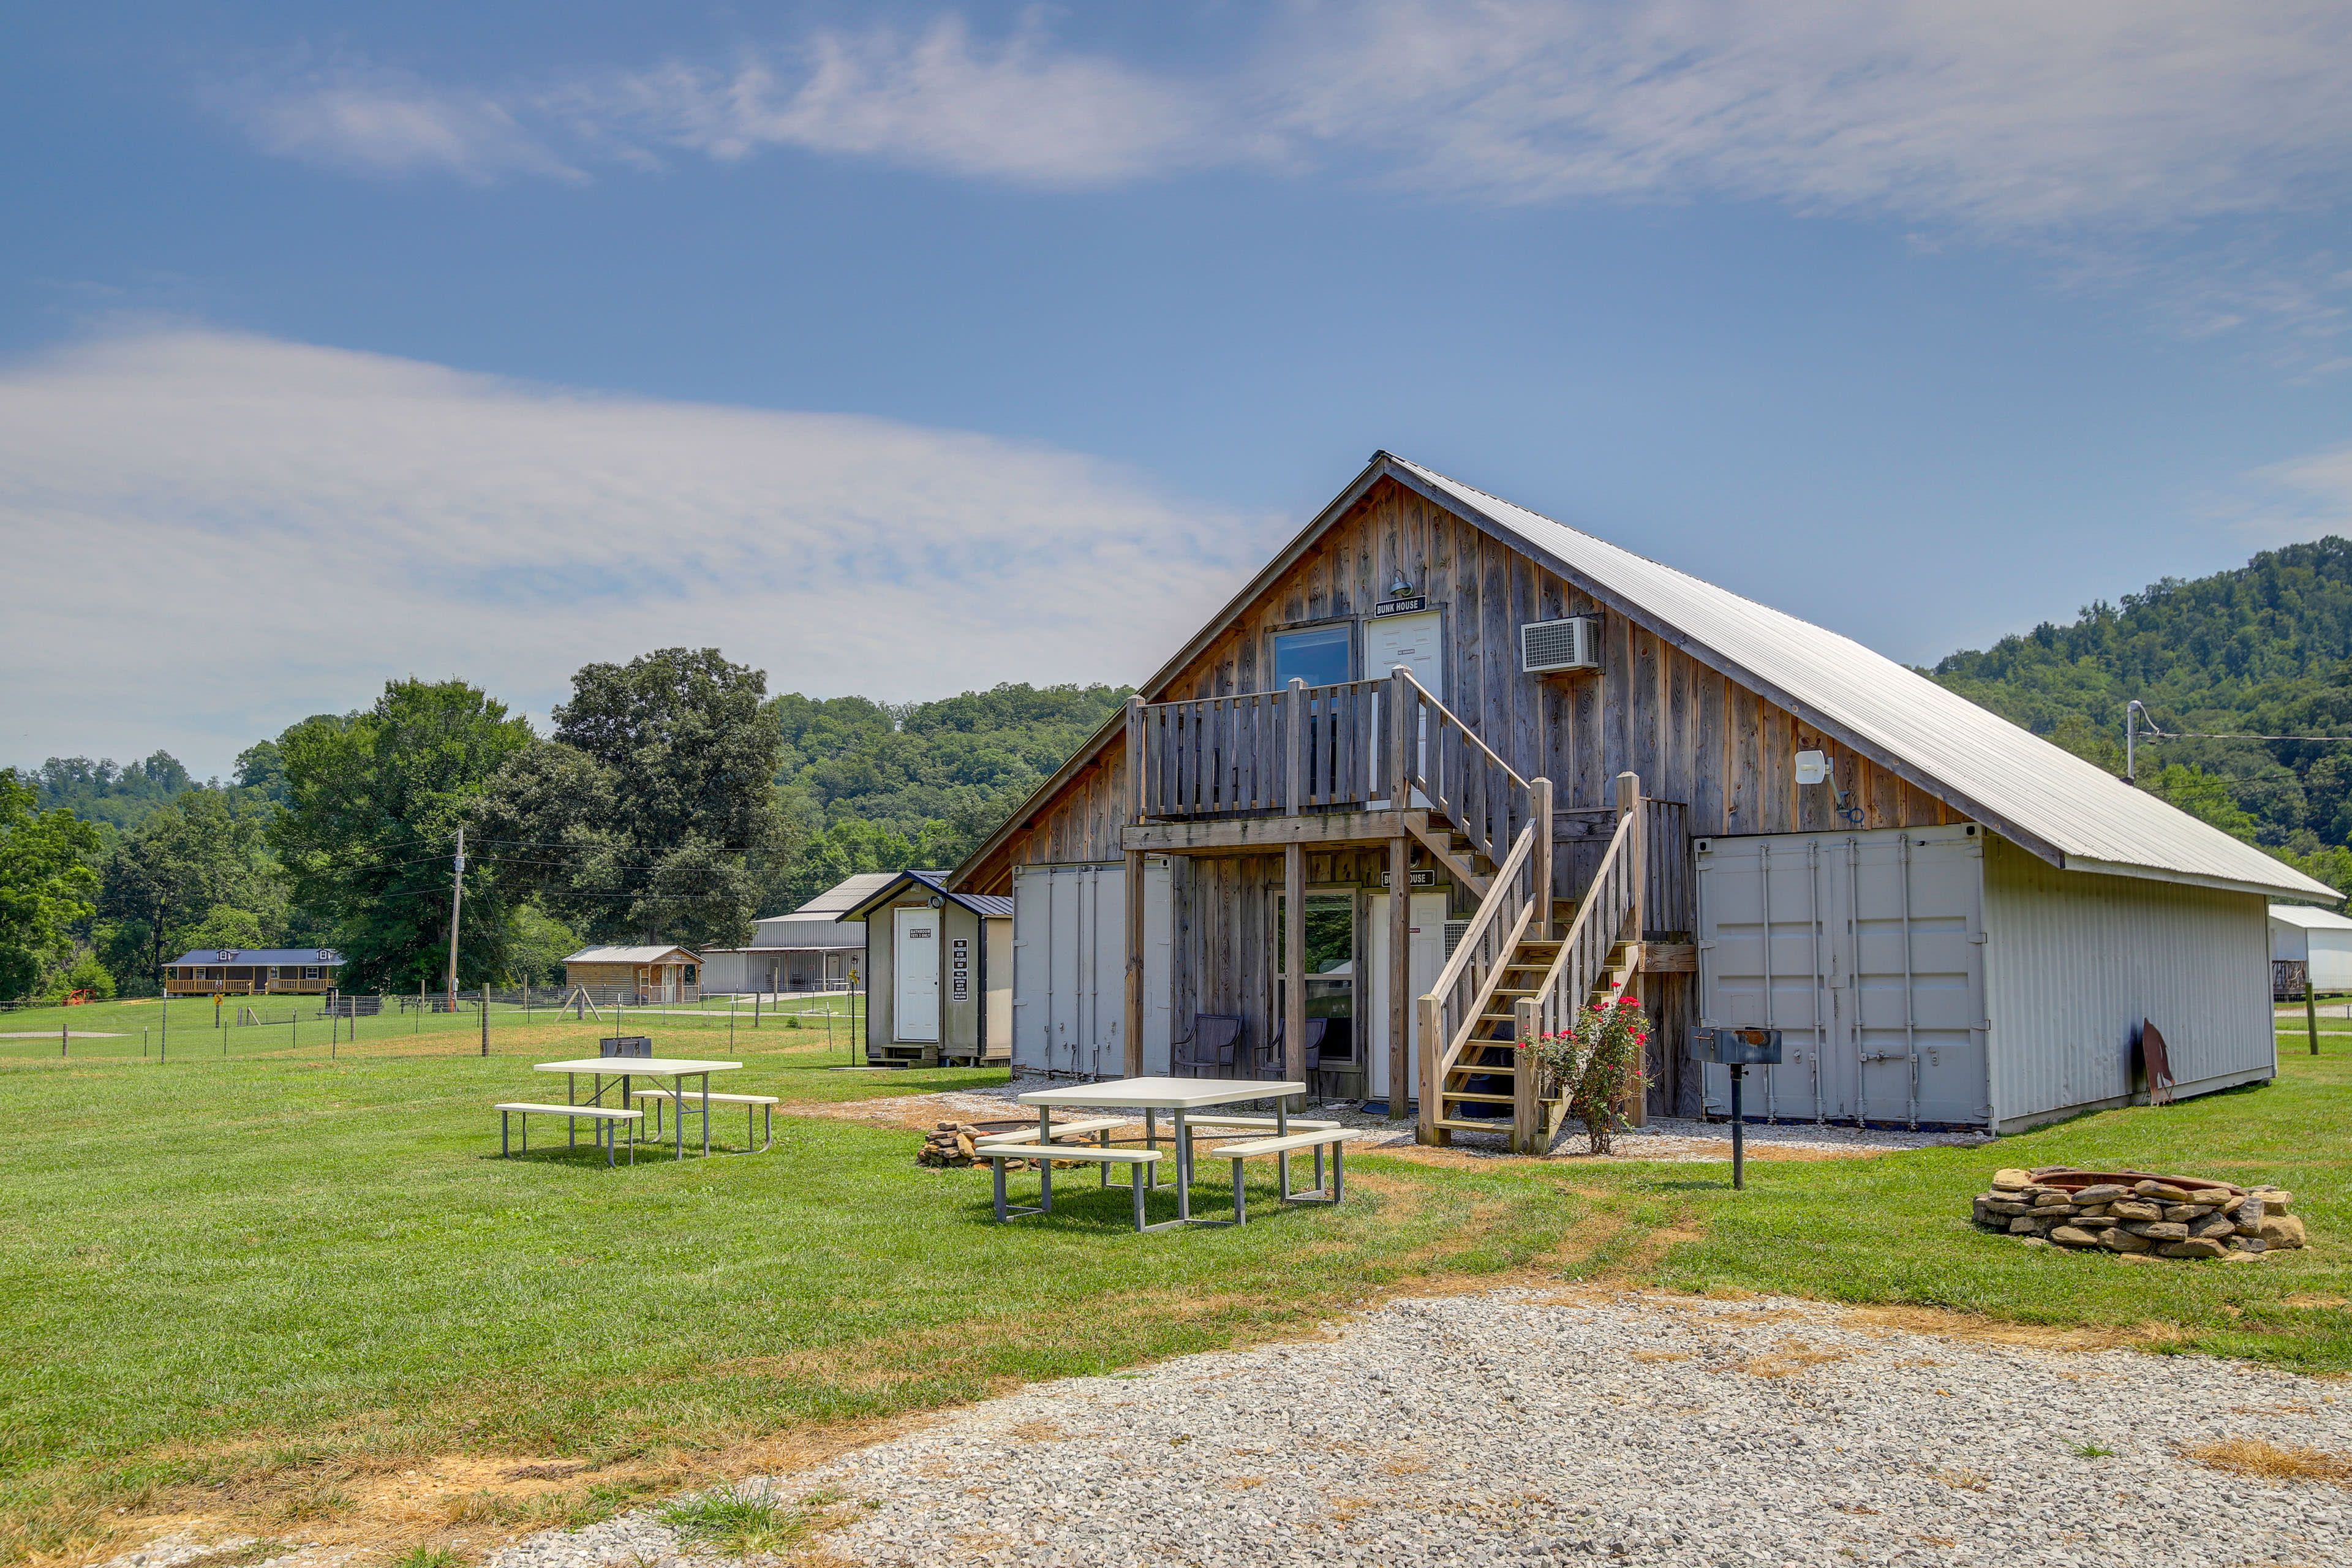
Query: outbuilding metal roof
point(988, 906)
point(2052, 802)
point(846, 894)
point(627, 956)
point(2309, 918)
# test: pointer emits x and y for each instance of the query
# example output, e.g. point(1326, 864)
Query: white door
point(1415, 642)
point(1866, 951)
point(1070, 968)
point(915, 973)
point(1426, 946)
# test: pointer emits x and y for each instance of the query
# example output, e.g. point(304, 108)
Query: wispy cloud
point(253, 529)
point(1996, 115)
point(2303, 498)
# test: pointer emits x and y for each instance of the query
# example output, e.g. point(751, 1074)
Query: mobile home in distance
point(1477, 770)
point(2309, 946)
point(253, 972)
point(939, 977)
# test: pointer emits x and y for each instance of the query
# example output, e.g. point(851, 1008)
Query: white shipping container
point(1866, 951)
point(1070, 968)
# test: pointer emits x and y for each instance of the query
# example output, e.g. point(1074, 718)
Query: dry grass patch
point(2269, 1462)
point(1789, 1358)
point(1962, 1480)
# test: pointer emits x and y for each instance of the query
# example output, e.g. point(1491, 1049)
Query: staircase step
point(1478, 1099)
point(1478, 1125)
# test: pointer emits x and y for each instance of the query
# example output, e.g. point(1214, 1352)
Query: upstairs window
point(1321, 655)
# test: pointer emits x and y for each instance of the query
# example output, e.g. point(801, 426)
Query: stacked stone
point(949, 1143)
point(2144, 1220)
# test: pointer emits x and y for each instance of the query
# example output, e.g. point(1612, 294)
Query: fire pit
point(2140, 1214)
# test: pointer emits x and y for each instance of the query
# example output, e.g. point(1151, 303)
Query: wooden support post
point(1428, 1042)
point(1637, 1102)
point(1539, 799)
point(1527, 1126)
point(1293, 956)
point(1294, 748)
point(1404, 738)
point(1400, 996)
point(1628, 803)
point(1131, 1021)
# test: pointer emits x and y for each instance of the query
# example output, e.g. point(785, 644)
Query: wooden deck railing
point(1317, 748)
point(1610, 912)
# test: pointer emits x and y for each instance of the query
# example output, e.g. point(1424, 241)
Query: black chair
point(626, 1046)
point(1209, 1051)
point(1269, 1060)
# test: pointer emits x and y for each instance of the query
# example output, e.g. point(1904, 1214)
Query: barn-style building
point(1593, 772)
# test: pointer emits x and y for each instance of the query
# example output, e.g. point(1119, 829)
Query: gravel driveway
point(1518, 1429)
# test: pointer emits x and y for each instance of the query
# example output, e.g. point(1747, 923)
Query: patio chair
point(1269, 1060)
point(1209, 1050)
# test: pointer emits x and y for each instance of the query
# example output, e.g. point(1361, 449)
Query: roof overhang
point(2265, 890)
point(890, 890)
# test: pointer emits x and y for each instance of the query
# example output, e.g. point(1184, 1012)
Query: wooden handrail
point(1448, 716)
point(1437, 1046)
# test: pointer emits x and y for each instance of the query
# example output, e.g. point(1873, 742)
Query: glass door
point(1330, 977)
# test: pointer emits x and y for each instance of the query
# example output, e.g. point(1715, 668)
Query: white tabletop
point(1163, 1093)
point(659, 1067)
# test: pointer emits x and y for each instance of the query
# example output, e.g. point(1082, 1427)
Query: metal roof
point(2309, 918)
point(2069, 811)
point(798, 932)
point(626, 954)
point(988, 906)
point(282, 956)
point(845, 894)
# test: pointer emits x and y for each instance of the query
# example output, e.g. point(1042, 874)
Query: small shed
point(2309, 942)
point(253, 972)
point(807, 949)
point(939, 972)
point(637, 975)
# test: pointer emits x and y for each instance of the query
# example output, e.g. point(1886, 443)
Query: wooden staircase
point(1485, 1073)
point(1513, 978)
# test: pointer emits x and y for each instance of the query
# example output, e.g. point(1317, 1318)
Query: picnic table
point(1177, 1096)
point(677, 1070)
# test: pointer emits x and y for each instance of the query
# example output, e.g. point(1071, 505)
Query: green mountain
point(2264, 650)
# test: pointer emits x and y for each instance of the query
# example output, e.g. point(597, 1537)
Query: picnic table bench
point(688, 1099)
point(1102, 1155)
point(1330, 1135)
point(607, 1118)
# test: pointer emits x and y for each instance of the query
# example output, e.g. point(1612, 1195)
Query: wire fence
point(485, 1021)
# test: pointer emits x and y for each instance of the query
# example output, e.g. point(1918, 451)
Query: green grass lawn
point(242, 1277)
point(235, 1269)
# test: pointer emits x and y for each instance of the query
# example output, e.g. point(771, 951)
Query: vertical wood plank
point(1400, 961)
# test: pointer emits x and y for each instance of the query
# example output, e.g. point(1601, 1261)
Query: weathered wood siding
point(1691, 734)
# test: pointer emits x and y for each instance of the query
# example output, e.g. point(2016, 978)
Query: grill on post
point(1739, 1049)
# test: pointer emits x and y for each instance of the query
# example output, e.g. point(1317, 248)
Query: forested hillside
point(2262, 650)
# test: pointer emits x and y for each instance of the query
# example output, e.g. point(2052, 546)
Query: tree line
point(2264, 650)
point(672, 799)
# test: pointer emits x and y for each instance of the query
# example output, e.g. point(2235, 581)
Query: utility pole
point(2134, 711)
point(457, 897)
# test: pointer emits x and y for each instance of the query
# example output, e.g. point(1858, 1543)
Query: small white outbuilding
point(2321, 940)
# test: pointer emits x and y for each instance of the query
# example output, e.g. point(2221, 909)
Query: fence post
point(2310, 1009)
point(486, 1020)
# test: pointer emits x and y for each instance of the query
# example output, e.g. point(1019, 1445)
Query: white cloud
point(1021, 109)
point(1997, 116)
point(390, 122)
point(2303, 498)
point(238, 532)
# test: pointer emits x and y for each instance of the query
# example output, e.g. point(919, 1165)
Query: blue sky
point(901, 349)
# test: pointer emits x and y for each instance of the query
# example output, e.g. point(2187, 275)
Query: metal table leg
point(706, 1116)
point(1183, 1164)
point(677, 1093)
point(571, 1123)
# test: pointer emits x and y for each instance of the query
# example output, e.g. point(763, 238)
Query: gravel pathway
point(1517, 1429)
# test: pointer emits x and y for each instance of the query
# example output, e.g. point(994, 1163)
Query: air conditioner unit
point(1548, 646)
